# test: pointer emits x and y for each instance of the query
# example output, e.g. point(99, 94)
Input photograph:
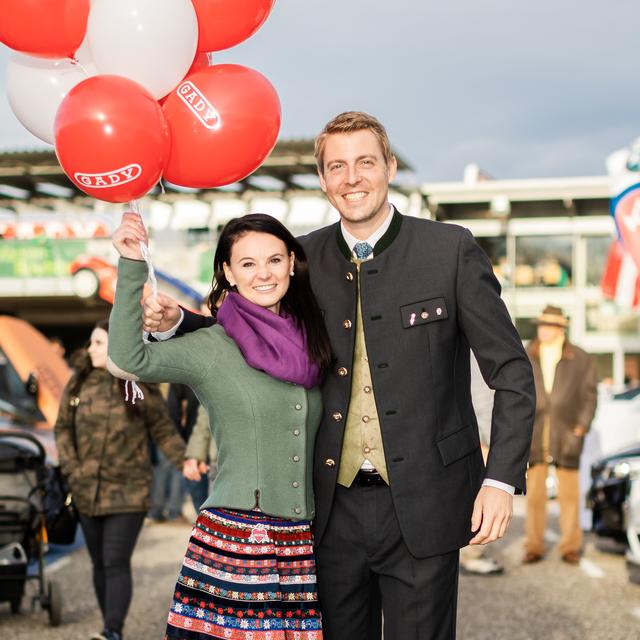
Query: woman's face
point(98, 348)
point(260, 268)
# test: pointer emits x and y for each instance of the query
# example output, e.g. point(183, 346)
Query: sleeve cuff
point(169, 333)
point(510, 489)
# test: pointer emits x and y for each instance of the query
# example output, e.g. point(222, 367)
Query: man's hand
point(160, 313)
point(128, 236)
point(492, 513)
point(192, 469)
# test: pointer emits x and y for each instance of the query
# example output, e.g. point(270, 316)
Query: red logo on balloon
point(199, 105)
point(110, 178)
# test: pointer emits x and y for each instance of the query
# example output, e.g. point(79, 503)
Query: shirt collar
point(374, 237)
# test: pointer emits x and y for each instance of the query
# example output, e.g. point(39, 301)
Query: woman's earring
point(291, 273)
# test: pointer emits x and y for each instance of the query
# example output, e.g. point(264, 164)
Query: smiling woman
point(256, 372)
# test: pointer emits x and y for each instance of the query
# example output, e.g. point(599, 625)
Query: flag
point(621, 278)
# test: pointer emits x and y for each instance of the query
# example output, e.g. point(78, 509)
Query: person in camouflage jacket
point(103, 449)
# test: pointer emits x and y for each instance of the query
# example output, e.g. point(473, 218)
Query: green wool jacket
point(265, 429)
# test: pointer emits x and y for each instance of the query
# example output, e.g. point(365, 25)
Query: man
point(399, 479)
point(566, 396)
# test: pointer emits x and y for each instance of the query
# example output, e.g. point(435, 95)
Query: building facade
point(548, 241)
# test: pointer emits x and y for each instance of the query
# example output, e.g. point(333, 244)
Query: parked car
point(614, 498)
point(96, 277)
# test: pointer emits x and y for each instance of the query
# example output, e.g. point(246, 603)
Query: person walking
point(399, 478)
point(566, 398)
point(103, 450)
point(201, 460)
point(249, 569)
point(169, 486)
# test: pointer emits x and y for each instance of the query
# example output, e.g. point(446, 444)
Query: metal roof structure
point(37, 177)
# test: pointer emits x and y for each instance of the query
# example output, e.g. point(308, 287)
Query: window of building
point(597, 252)
point(496, 249)
point(544, 261)
point(632, 369)
point(604, 367)
point(607, 317)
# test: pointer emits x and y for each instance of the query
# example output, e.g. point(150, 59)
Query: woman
point(249, 569)
point(103, 448)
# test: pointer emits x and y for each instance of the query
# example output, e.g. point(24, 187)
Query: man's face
point(356, 177)
point(549, 332)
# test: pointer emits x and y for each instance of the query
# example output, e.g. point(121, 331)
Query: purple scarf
point(269, 342)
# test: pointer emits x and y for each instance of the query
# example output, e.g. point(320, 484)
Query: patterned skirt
point(246, 576)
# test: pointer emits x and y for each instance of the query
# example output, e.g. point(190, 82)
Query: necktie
point(362, 250)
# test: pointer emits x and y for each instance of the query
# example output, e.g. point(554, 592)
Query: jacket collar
point(567, 350)
point(381, 245)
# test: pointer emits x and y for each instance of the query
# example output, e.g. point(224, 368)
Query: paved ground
point(156, 564)
point(547, 601)
point(550, 600)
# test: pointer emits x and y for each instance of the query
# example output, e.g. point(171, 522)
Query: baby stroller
point(22, 531)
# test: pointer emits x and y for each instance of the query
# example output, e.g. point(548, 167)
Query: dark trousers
point(365, 569)
point(110, 541)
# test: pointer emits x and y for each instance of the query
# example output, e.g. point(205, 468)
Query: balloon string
point(77, 62)
point(153, 282)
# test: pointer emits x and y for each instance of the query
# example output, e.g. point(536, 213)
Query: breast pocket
point(423, 312)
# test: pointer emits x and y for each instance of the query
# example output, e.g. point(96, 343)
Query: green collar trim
point(384, 242)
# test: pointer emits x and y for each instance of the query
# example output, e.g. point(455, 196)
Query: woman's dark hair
point(299, 301)
point(83, 367)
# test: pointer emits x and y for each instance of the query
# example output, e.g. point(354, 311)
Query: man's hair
point(348, 122)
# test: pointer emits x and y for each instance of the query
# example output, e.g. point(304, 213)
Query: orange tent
point(30, 352)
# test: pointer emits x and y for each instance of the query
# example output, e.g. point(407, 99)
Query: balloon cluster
point(126, 91)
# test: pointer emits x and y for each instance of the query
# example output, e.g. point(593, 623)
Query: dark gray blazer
point(428, 295)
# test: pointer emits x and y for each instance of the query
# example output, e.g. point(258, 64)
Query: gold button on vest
point(362, 429)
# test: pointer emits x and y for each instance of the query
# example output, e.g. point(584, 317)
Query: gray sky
point(523, 89)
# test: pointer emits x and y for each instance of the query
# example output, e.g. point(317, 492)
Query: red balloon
point(224, 121)
point(111, 138)
point(46, 28)
point(201, 61)
point(225, 23)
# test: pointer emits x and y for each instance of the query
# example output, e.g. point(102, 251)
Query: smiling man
point(399, 476)
point(398, 473)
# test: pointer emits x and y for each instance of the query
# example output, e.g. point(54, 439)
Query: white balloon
point(36, 87)
point(148, 41)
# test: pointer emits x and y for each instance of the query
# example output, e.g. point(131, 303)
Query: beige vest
point(362, 436)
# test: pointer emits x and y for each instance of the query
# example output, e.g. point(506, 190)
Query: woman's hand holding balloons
point(128, 236)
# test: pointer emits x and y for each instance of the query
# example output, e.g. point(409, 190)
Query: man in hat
point(565, 378)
